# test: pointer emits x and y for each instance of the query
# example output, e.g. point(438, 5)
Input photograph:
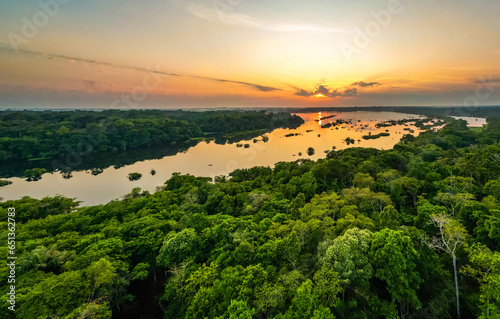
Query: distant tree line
point(50, 134)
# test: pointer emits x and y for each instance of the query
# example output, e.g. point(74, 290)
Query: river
point(210, 159)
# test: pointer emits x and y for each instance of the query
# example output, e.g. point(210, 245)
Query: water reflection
point(207, 158)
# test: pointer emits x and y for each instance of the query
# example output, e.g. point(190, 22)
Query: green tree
point(305, 305)
point(363, 180)
point(238, 309)
point(177, 247)
point(485, 267)
point(327, 286)
point(394, 259)
point(388, 217)
point(34, 174)
point(54, 296)
point(492, 187)
point(348, 256)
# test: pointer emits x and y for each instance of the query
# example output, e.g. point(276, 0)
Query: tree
point(493, 188)
point(34, 174)
point(47, 259)
point(305, 305)
point(327, 286)
point(412, 186)
point(101, 273)
point(4, 182)
point(365, 199)
point(63, 130)
point(485, 267)
point(363, 180)
point(177, 247)
point(321, 206)
point(134, 176)
point(348, 256)
point(394, 258)
point(238, 309)
point(454, 202)
point(290, 248)
point(451, 236)
point(54, 296)
point(388, 217)
point(93, 309)
point(297, 203)
point(454, 192)
point(351, 218)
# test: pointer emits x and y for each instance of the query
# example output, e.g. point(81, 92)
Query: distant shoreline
point(436, 111)
point(257, 108)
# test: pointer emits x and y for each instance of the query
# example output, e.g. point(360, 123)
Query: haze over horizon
point(241, 53)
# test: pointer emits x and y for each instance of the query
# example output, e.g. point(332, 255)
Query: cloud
point(350, 92)
point(490, 79)
point(58, 57)
point(327, 92)
point(97, 86)
point(225, 15)
point(259, 87)
point(365, 84)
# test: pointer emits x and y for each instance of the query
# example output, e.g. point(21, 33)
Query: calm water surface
point(210, 159)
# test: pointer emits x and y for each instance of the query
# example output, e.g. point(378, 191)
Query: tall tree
point(394, 258)
point(451, 237)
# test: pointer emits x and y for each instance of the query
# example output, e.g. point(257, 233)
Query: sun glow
point(319, 95)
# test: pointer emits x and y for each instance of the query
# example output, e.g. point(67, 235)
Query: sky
point(248, 53)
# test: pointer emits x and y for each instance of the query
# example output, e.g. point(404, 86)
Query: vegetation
point(4, 182)
point(45, 135)
point(34, 174)
point(372, 137)
point(134, 176)
point(428, 111)
point(67, 175)
point(363, 233)
point(349, 141)
point(96, 171)
point(337, 123)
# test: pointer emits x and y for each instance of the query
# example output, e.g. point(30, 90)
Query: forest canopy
point(31, 135)
point(363, 233)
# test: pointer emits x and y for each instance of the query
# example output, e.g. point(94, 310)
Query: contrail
point(51, 56)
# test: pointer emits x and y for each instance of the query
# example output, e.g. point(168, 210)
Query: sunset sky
point(232, 53)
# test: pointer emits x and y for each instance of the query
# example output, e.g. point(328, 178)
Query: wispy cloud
point(97, 86)
point(365, 84)
point(50, 56)
point(490, 79)
point(242, 20)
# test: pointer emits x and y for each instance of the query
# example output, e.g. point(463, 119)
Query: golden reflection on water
point(210, 159)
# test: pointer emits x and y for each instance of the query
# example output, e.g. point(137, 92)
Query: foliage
point(4, 182)
point(134, 176)
point(29, 135)
point(347, 236)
